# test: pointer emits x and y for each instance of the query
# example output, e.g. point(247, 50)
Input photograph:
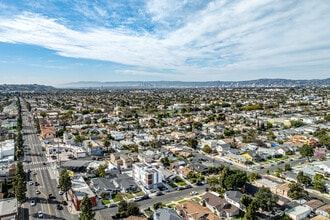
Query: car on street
point(193, 193)
point(37, 191)
point(159, 193)
point(40, 214)
point(59, 207)
point(32, 203)
point(36, 183)
point(30, 183)
point(60, 192)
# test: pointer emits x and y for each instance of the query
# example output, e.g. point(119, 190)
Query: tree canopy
point(297, 191)
point(86, 209)
point(306, 151)
point(266, 199)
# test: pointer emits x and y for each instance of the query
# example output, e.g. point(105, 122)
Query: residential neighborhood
point(190, 153)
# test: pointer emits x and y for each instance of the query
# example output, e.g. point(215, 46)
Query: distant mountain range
point(181, 84)
point(5, 88)
point(166, 84)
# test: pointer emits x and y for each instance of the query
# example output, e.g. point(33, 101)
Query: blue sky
point(53, 42)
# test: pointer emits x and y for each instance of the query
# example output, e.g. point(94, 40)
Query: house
point(166, 214)
point(314, 204)
point(282, 189)
point(252, 156)
point(48, 133)
point(323, 210)
point(237, 158)
point(125, 183)
point(104, 187)
point(78, 190)
point(234, 198)
point(298, 213)
point(220, 206)
point(123, 159)
point(193, 211)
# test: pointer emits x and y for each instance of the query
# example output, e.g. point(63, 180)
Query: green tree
point(86, 209)
point(287, 167)
point(165, 161)
point(253, 176)
point(101, 170)
point(236, 179)
point(192, 142)
point(296, 191)
point(158, 205)
point(319, 183)
point(297, 123)
point(246, 200)
point(207, 149)
point(122, 206)
point(43, 114)
point(305, 180)
point(106, 144)
point(266, 199)
point(212, 181)
point(133, 209)
point(65, 181)
point(306, 151)
point(19, 185)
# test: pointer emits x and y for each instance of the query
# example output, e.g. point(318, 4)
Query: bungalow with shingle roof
point(220, 206)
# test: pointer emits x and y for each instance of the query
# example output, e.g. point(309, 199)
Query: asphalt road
point(42, 172)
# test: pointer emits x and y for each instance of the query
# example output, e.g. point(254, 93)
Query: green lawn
point(140, 193)
point(197, 199)
point(117, 197)
point(129, 196)
point(148, 212)
point(173, 185)
point(181, 183)
point(105, 201)
point(182, 201)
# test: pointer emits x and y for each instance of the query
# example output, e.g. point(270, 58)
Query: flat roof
point(8, 207)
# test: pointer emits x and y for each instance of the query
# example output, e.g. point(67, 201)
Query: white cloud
point(223, 37)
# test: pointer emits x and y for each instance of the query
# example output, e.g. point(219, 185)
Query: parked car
point(36, 183)
point(193, 193)
point(59, 207)
point(37, 191)
point(159, 193)
point(30, 183)
point(112, 205)
point(32, 203)
point(60, 192)
point(40, 214)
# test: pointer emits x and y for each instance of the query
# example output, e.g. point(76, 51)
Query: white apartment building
point(147, 175)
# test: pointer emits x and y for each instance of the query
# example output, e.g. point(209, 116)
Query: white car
point(60, 192)
point(32, 203)
point(30, 183)
point(193, 193)
point(37, 192)
point(40, 214)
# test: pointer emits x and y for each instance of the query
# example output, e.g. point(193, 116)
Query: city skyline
point(59, 42)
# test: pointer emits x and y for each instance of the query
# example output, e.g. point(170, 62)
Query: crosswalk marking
point(39, 168)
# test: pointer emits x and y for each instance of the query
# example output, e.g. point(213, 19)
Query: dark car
point(36, 183)
point(64, 202)
point(59, 207)
point(159, 193)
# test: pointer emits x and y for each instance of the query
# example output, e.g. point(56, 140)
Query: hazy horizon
point(58, 42)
